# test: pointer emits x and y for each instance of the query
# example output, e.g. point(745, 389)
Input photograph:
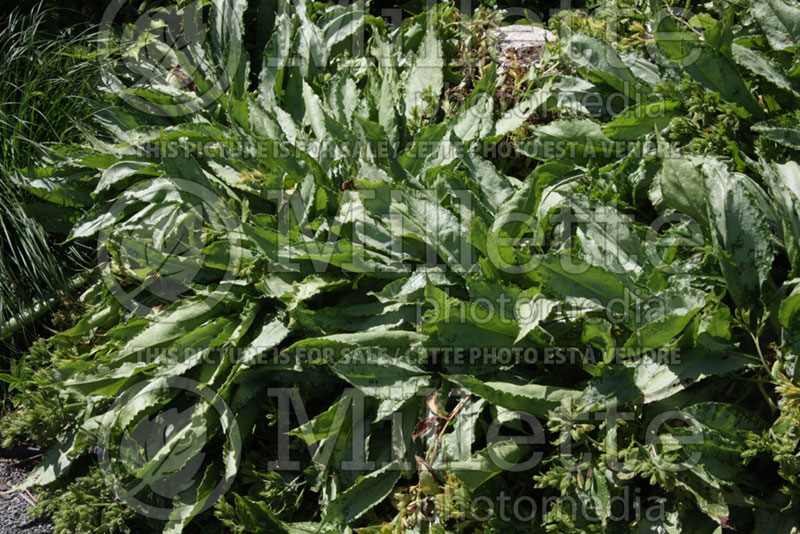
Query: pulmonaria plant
point(311, 278)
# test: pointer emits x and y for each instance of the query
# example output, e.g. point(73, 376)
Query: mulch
point(14, 518)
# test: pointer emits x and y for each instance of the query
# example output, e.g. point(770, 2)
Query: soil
point(14, 518)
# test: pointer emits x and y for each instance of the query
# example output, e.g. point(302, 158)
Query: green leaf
point(453, 323)
point(326, 425)
point(577, 140)
point(516, 215)
point(705, 65)
point(267, 336)
point(170, 324)
point(533, 399)
point(783, 130)
point(483, 465)
point(515, 117)
point(275, 58)
point(382, 376)
point(725, 429)
point(659, 378)
point(495, 186)
point(779, 21)
point(673, 310)
point(227, 38)
point(682, 184)
point(457, 445)
point(608, 238)
point(600, 63)
point(367, 492)
point(311, 52)
point(347, 23)
point(395, 341)
point(789, 311)
point(567, 276)
point(120, 171)
point(315, 112)
point(60, 190)
point(476, 121)
point(740, 232)
point(56, 461)
point(760, 64)
point(417, 216)
point(637, 121)
point(532, 312)
point(425, 76)
point(784, 185)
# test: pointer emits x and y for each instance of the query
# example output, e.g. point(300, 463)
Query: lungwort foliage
point(606, 327)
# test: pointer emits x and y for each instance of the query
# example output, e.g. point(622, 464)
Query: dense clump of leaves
point(358, 238)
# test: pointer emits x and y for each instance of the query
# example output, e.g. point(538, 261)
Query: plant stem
point(15, 324)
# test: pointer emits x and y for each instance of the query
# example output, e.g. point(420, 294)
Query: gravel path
point(14, 518)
